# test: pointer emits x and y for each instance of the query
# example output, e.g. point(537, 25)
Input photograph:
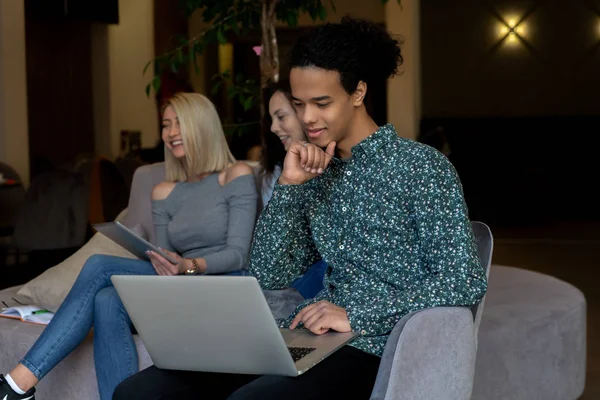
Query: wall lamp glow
point(512, 30)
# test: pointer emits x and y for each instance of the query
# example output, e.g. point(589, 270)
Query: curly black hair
point(359, 50)
point(273, 152)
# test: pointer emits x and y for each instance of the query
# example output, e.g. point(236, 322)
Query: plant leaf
point(221, 36)
point(215, 89)
point(332, 4)
point(198, 47)
point(146, 67)
point(239, 78)
point(248, 103)
point(293, 19)
point(322, 12)
point(210, 36)
point(232, 91)
point(193, 58)
point(156, 84)
point(229, 130)
point(235, 27)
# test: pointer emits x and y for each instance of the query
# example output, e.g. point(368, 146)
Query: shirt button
point(344, 209)
point(363, 332)
point(341, 247)
point(348, 172)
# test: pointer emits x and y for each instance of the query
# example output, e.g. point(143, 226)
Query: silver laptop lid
point(205, 323)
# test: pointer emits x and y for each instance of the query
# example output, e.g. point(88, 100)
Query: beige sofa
point(75, 377)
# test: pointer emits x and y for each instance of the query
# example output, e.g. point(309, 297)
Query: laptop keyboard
point(299, 352)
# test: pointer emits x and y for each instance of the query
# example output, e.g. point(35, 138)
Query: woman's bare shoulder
point(236, 170)
point(162, 190)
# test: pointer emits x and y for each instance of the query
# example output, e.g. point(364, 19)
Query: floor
point(568, 251)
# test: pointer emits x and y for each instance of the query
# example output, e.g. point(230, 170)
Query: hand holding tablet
point(130, 240)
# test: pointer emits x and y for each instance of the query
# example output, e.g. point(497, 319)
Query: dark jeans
point(347, 374)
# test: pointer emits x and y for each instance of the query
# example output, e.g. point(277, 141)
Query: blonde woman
point(203, 214)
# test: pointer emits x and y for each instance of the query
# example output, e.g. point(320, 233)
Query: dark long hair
point(273, 151)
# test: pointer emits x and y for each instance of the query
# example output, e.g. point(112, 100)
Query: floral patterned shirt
point(392, 224)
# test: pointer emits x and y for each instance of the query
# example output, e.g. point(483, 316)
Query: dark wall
point(465, 75)
point(522, 121)
point(59, 91)
point(526, 170)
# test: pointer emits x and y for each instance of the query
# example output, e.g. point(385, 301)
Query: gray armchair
point(430, 354)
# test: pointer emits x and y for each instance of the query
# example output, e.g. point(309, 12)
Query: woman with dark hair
point(386, 213)
point(279, 128)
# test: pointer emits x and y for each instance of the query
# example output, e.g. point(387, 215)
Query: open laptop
point(218, 324)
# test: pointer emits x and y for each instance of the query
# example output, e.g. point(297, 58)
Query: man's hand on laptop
point(322, 316)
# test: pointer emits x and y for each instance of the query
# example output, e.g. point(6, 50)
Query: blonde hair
point(206, 150)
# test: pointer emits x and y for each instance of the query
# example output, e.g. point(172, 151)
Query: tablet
point(130, 240)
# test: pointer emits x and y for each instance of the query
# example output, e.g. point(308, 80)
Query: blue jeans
point(311, 282)
point(93, 301)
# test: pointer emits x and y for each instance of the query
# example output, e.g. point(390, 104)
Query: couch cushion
point(49, 289)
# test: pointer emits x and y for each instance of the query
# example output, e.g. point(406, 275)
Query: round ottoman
point(532, 338)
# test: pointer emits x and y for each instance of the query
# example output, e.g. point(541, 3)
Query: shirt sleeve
point(242, 204)
point(283, 247)
point(161, 218)
point(447, 250)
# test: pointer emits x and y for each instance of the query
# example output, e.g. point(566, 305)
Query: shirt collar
point(371, 144)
